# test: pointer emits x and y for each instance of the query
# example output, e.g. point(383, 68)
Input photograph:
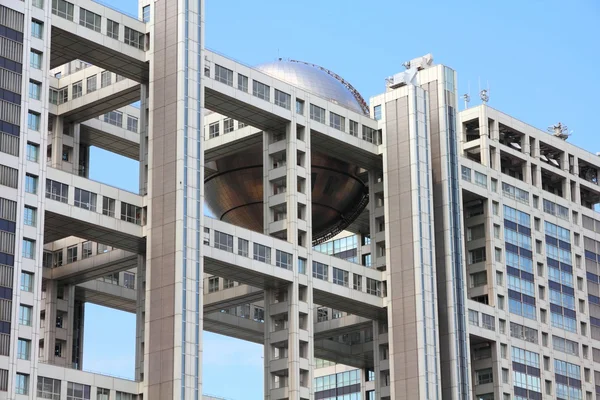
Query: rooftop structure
point(402, 250)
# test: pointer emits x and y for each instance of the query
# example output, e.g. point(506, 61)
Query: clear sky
point(540, 59)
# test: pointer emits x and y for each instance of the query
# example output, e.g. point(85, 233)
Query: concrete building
point(422, 252)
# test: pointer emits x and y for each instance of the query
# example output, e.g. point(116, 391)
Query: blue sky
point(540, 59)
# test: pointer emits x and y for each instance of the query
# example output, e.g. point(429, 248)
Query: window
point(24, 349)
point(102, 248)
point(25, 313)
point(114, 118)
point(63, 95)
point(30, 216)
point(377, 112)
point(131, 213)
point(283, 99)
point(262, 253)
point(124, 396)
point(57, 191)
point(86, 249)
point(77, 391)
point(129, 280)
point(132, 124)
point(89, 19)
point(565, 345)
point(38, 4)
point(223, 241)
point(213, 284)
point(488, 322)
point(33, 151)
point(261, 90)
point(33, 121)
point(28, 248)
point(77, 89)
point(22, 384)
point(48, 388)
point(299, 106)
point(85, 199)
point(320, 271)
point(369, 134)
point(228, 125)
point(63, 9)
point(71, 254)
point(337, 121)
point(105, 78)
point(374, 287)
point(242, 83)
point(317, 113)
point(146, 13)
point(473, 317)
point(35, 90)
point(243, 247)
point(37, 29)
point(223, 75)
point(484, 376)
point(108, 206)
point(134, 38)
point(91, 84)
point(26, 282)
point(340, 277)
point(112, 29)
point(228, 283)
point(101, 393)
point(53, 96)
point(283, 259)
point(213, 130)
point(477, 255)
point(353, 128)
point(301, 265)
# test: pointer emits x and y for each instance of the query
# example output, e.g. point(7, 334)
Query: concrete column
point(376, 360)
point(56, 143)
point(484, 137)
point(143, 129)
point(140, 316)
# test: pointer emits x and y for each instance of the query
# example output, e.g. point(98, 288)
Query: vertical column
point(57, 143)
point(174, 264)
point(140, 317)
point(143, 128)
point(484, 136)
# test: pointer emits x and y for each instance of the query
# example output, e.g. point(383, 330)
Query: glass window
point(129, 280)
point(57, 191)
point(242, 82)
point(35, 90)
point(38, 4)
point(213, 284)
point(112, 29)
point(134, 38)
point(102, 394)
point(223, 241)
point(86, 249)
point(105, 78)
point(261, 90)
point(63, 9)
point(374, 287)
point(146, 13)
point(77, 391)
point(48, 388)
point(283, 99)
point(30, 216)
point(33, 121)
point(223, 75)
point(337, 121)
point(37, 29)
point(213, 130)
point(89, 19)
point(320, 271)
point(25, 313)
point(340, 277)
point(377, 112)
point(90, 84)
point(63, 95)
point(301, 265)
point(77, 89)
point(31, 184)
point(369, 134)
point(71, 254)
point(33, 151)
point(132, 124)
point(27, 281)
point(24, 349)
point(124, 396)
point(131, 213)
point(243, 248)
point(299, 106)
point(53, 96)
point(283, 259)
point(22, 384)
point(262, 253)
point(484, 376)
point(29, 248)
point(114, 118)
point(317, 113)
point(35, 59)
point(357, 282)
point(228, 125)
point(353, 128)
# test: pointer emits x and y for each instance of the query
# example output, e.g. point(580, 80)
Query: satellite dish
point(544, 158)
point(591, 175)
point(516, 145)
point(553, 161)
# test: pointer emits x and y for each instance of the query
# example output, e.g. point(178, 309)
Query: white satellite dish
point(544, 158)
point(516, 145)
point(553, 161)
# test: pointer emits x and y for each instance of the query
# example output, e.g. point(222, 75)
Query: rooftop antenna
point(467, 96)
point(483, 94)
point(560, 131)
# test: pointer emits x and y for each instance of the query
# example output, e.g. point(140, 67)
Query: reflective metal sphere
point(234, 193)
point(313, 80)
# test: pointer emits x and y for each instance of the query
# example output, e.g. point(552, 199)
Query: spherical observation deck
point(234, 191)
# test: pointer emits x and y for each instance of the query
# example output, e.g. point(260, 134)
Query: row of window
point(93, 21)
point(61, 95)
point(284, 100)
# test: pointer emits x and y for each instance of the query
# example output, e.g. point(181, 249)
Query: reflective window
point(105, 78)
point(317, 113)
point(228, 125)
point(223, 241)
point(337, 121)
point(91, 84)
point(77, 89)
point(77, 391)
point(283, 99)
point(146, 13)
point(132, 124)
point(29, 248)
point(30, 216)
point(377, 112)
point(262, 253)
point(134, 38)
point(242, 82)
point(63, 9)
point(33, 121)
point(283, 259)
point(261, 90)
point(48, 388)
point(112, 29)
point(223, 75)
point(26, 281)
point(33, 152)
point(340, 277)
point(320, 271)
point(89, 19)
